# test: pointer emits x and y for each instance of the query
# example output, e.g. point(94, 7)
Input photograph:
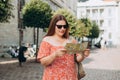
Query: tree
point(36, 14)
point(5, 10)
point(83, 28)
point(94, 33)
point(87, 22)
point(70, 18)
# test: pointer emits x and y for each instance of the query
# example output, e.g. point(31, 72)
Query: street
point(100, 65)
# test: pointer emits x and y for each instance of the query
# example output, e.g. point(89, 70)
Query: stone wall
point(9, 32)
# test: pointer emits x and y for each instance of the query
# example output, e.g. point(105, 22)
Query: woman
point(59, 65)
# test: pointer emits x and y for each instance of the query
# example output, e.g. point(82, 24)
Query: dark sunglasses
point(60, 26)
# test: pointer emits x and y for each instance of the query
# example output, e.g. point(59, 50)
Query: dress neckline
point(54, 45)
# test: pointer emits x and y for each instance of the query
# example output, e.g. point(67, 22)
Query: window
point(101, 22)
point(101, 12)
point(88, 11)
point(95, 12)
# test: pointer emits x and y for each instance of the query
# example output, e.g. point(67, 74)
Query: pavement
point(100, 65)
point(103, 64)
point(10, 70)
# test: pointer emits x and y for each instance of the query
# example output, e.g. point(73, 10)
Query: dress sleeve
point(44, 50)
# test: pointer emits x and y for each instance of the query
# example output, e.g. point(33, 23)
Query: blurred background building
point(106, 14)
point(9, 32)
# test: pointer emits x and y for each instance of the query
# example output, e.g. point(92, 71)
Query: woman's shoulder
point(45, 41)
point(47, 38)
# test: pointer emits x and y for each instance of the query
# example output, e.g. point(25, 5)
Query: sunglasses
point(60, 26)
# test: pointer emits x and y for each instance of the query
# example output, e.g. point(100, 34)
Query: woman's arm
point(48, 59)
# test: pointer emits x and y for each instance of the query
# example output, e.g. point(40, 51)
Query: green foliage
point(80, 29)
point(70, 18)
point(36, 14)
point(87, 22)
point(83, 27)
point(94, 31)
point(5, 10)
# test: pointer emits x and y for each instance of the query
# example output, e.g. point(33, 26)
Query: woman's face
point(60, 28)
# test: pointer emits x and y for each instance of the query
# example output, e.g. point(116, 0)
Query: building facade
point(106, 14)
point(9, 32)
point(69, 4)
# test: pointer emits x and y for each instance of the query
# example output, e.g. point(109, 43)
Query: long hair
point(52, 25)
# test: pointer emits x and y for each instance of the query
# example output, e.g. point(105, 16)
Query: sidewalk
point(100, 65)
point(9, 70)
point(103, 64)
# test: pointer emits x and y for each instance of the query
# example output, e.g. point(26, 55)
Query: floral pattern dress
point(62, 68)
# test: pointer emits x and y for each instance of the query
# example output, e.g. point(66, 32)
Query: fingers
point(64, 50)
point(80, 57)
point(86, 52)
point(61, 52)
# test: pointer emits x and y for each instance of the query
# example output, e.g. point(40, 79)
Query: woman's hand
point(82, 56)
point(60, 52)
point(86, 52)
point(49, 59)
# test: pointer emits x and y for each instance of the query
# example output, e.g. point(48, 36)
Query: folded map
point(76, 48)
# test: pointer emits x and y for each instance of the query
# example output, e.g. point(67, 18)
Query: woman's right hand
point(49, 59)
point(60, 52)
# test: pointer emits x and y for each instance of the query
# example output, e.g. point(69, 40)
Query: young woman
point(59, 65)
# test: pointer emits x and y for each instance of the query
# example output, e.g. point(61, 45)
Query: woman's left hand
point(86, 53)
point(82, 56)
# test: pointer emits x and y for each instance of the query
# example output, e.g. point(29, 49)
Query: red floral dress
point(62, 68)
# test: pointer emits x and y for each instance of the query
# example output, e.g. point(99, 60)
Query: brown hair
point(52, 25)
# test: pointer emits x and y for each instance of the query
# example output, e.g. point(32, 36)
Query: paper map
point(76, 48)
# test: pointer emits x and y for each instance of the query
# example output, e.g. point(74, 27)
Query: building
point(69, 4)
point(106, 14)
point(9, 32)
